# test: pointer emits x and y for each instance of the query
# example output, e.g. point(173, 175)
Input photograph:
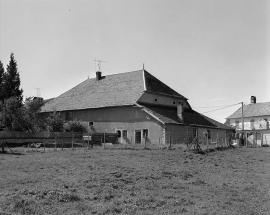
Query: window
point(209, 134)
point(119, 133)
point(174, 103)
point(90, 124)
point(138, 138)
point(68, 116)
point(124, 132)
point(155, 100)
point(237, 124)
point(145, 133)
point(252, 123)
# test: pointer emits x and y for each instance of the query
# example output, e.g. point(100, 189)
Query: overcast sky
point(214, 52)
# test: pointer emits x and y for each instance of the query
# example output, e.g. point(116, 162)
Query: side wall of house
point(183, 134)
point(125, 120)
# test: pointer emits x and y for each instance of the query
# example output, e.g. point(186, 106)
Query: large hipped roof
point(111, 90)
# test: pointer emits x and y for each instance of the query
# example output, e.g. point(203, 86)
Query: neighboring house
point(256, 116)
point(136, 105)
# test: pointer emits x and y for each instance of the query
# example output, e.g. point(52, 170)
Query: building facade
point(137, 106)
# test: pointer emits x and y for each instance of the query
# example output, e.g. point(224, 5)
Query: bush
point(55, 122)
point(74, 126)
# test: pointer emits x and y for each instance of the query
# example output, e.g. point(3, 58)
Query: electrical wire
point(213, 106)
point(221, 108)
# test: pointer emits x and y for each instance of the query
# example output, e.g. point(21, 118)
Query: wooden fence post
point(55, 147)
point(207, 142)
point(144, 142)
point(2, 145)
point(62, 144)
point(43, 144)
point(72, 141)
point(88, 142)
point(104, 141)
point(217, 141)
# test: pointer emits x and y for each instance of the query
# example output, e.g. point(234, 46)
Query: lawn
point(98, 181)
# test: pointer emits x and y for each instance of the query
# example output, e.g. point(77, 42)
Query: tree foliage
point(10, 83)
point(15, 117)
point(2, 72)
point(55, 122)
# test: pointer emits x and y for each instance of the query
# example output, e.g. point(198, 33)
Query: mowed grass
point(232, 181)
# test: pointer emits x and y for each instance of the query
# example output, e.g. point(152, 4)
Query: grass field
point(232, 181)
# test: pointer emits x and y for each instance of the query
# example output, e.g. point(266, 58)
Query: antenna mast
point(98, 64)
point(38, 93)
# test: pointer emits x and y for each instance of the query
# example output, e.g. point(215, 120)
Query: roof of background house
point(250, 110)
point(111, 90)
point(169, 115)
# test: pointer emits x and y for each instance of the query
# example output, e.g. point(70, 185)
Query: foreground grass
point(234, 181)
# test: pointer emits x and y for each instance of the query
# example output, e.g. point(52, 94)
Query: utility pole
point(242, 116)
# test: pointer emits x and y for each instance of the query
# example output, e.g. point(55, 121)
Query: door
point(138, 136)
point(119, 135)
point(124, 136)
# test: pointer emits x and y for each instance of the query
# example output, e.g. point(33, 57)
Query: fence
point(16, 137)
point(253, 138)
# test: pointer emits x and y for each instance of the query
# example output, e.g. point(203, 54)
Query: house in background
point(256, 118)
point(137, 106)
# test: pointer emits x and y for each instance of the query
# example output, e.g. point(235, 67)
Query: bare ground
point(232, 181)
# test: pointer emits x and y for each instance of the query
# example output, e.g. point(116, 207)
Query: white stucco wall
point(247, 121)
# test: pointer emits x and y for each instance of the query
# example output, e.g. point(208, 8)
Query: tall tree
point(11, 81)
point(2, 72)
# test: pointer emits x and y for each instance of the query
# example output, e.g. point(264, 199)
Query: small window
point(209, 134)
point(237, 124)
point(174, 103)
point(155, 100)
point(119, 133)
point(252, 123)
point(68, 116)
point(145, 133)
point(124, 134)
point(90, 124)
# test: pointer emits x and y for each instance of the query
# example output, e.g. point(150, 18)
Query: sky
point(215, 53)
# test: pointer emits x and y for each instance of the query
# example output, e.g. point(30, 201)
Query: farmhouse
point(256, 118)
point(136, 105)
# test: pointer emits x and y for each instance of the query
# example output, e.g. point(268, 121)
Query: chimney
point(180, 110)
point(253, 100)
point(98, 75)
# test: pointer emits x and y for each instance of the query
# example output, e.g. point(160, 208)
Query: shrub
point(55, 122)
point(74, 126)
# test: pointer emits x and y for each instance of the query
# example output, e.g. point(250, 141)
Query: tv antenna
point(98, 64)
point(38, 91)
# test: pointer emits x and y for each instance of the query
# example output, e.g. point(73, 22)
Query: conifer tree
point(2, 72)
point(11, 81)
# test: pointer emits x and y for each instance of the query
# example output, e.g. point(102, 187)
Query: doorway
point(138, 136)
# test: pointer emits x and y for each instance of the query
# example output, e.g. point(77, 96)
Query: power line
point(222, 108)
point(213, 106)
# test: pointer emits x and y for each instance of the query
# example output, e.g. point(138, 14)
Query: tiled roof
point(112, 90)
point(169, 115)
point(258, 109)
point(156, 86)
